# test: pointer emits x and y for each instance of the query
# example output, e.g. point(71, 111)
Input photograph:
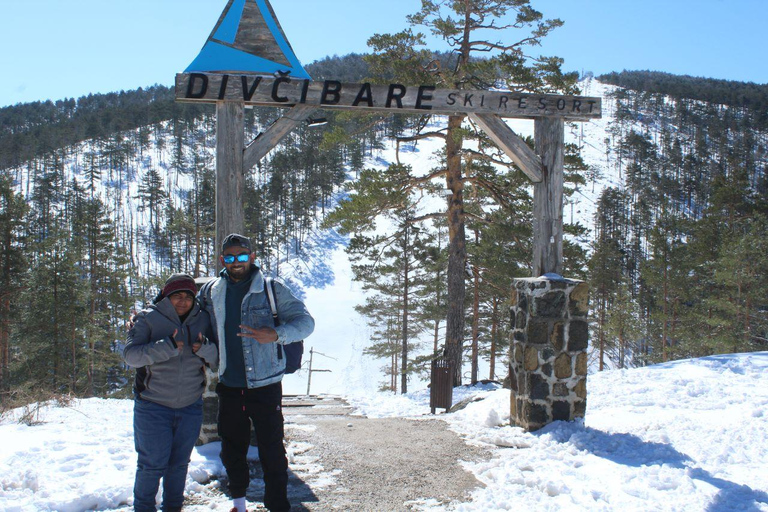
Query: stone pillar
point(209, 431)
point(548, 363)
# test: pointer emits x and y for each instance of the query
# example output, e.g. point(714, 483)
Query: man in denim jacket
point(251, 368)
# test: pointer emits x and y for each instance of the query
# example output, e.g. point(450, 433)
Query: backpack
point(294, 350)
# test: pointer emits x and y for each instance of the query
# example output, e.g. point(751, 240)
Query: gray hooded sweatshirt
point(166, 375)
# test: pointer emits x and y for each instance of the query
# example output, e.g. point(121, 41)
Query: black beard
point(238, 273)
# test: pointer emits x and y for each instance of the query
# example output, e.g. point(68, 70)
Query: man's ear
point(253, 258)
point(221, 260)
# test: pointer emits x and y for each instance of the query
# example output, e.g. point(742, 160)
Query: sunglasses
point(242, 258)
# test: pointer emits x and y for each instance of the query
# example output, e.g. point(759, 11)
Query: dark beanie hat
point(235, 240)
point(179, 283)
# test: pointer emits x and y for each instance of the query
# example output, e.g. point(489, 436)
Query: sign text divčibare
point(287, 91)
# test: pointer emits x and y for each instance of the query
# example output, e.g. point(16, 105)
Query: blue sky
point(53, 49)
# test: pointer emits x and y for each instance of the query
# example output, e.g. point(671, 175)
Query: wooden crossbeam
point(512, 145)
point(268, 139)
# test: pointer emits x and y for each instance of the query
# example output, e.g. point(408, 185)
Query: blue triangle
point(228, 28)
point(225, 52)
point(217, 58)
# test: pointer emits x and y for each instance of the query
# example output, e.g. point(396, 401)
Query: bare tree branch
point(421, 136)
point(421, 218)
point(476, 155)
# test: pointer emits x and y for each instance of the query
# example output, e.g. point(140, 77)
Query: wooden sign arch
point(247, 60)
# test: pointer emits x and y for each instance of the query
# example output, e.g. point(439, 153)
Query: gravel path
point(357, 464)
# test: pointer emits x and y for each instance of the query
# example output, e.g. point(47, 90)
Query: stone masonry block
point(522, 304)
point(210, 410)
point(522, 319)
point(518, 351)
point(563, 366)
point(519, 406)
point(538, 387)
point(581, 364)
point(561, 410)
point(538, 331)
point(579, 408)
point(549, 305)
point(560, 389)
point(579, 303)
point(578, 336)
point(558, 337)
point(535, 415)
point(558, 285)
point(531, 359)
point(581, 388)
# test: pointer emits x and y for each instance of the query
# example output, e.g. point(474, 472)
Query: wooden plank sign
point(284, 91)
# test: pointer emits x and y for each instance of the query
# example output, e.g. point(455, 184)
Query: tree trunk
point(5, 315)
point(5, 352)
point(457, 249)
point(475, 319)
point(601, 333)
point(406, 277)
point(494, 332)
point(55, 341)
point(664, 314)
point(198, 249)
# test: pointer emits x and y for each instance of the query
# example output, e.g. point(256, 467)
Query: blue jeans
point(164, 439)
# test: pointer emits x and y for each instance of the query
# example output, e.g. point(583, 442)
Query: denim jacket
point(264, 363)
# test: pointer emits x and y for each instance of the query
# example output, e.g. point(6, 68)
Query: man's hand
point(131, 321)
point(262, 335)
point(198, 343)
point(179, 343)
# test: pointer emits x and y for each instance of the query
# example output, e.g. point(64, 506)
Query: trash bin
point(441, 386)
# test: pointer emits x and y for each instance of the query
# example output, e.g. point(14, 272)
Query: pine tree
point(607, 266)
point(394, 266)
point(469, 28)
point(13, 216)
point(51, 337)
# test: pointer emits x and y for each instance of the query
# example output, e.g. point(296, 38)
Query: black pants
point(262, 406)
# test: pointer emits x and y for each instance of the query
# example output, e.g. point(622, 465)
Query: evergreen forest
point(103, 196)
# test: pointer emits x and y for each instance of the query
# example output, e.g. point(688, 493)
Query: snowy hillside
point(684, 436)
point(342, 334)
point(323, 270)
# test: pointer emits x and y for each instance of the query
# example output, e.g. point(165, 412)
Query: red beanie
point(179, 283)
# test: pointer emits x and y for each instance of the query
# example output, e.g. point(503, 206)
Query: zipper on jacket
point(279, 351)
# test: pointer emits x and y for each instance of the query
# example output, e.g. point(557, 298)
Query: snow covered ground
point(683, 436)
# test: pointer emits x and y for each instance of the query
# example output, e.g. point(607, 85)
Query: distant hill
point(723, 92)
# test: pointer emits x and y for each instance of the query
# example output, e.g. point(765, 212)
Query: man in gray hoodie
point(168, 345)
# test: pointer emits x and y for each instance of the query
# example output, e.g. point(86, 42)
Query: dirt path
point(341, 462)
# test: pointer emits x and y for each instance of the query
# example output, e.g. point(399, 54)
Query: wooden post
point(549, 138)
point(230, 139)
